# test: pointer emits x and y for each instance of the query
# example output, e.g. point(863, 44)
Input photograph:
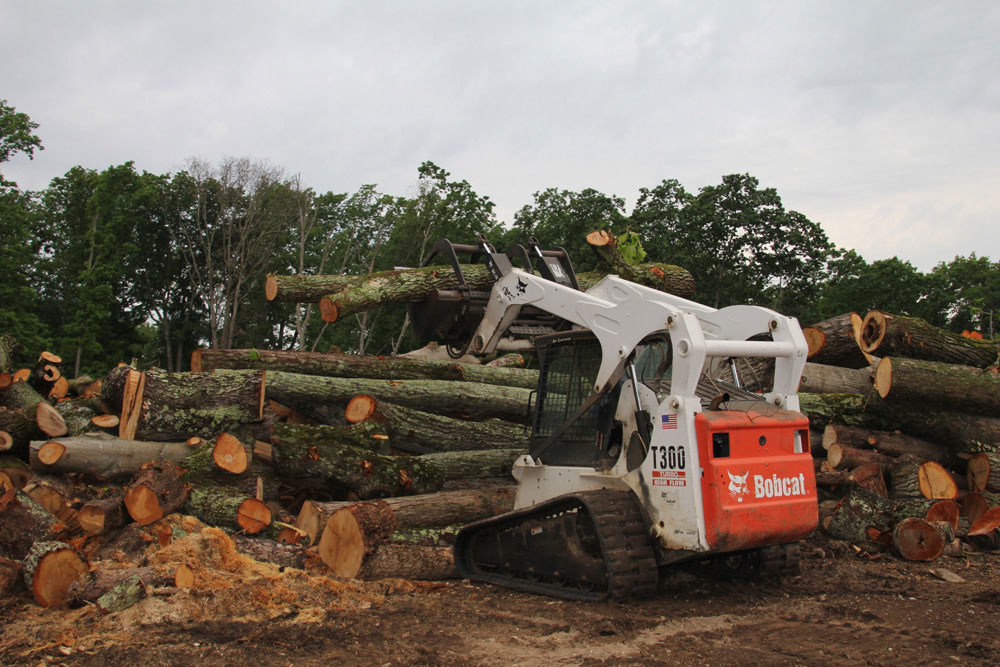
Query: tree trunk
point(100, 516)
point(269, 551)
point(983, 472)
point(443, 508)
point(917, 539)
point(962, 388)
point(419, 432)
point(847, 458)
point(156, 491)
point(406, 561)
point(466, 399)
point(914, 338)
point(306, 288)
point(357, 366)
point(178, 405)
point(821, 379)
point(352, 534)
point(664, 277)
point(227, 507)
point(860, 510)
point(22, 523)
point(373, 475)
point(833, 342)
point(886, 442)
point(104, 456)
point(50, 568)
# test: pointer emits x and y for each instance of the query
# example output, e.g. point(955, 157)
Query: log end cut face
point(143, 505)
point(55, 573)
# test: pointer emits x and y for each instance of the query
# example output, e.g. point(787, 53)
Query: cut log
point(512, 360)
point(176, 406)
point(107, 423)
point(101, 455)
point(913, 478)
point(59, 389)
point(859, 511)
point(847, 458)
point(269, 551)
point(76, 415)
point(352, 534)
point(822, 379)
point(16, 470)
point(96, 583)
point(50, 568)
point(406, 561)
point(467, 399)
point(360, 366)
point(444, 508)
point(914, 338)
point(10, 576)
point(232, 455)
point(306, 288)
point(983, 472)
point(7, 491)
point(156, 491)
point(664, 277)
point(870, 476)
point(54, 494)
point(962, 388)
point(372, 475)
point(919, 540)
point(369, 436)
point(419, 432)
point(833, 342)
point(22, 523)
point(227, 507)
point(122, 596)
point(100, 516)
point(947, 511)
point(6, 441)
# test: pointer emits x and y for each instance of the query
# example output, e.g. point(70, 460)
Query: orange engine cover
point(758, 486)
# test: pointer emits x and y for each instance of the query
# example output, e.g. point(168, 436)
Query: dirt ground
point(845, 608)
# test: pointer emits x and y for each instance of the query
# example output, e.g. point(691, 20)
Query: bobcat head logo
point(738, 485)
point(522, 287)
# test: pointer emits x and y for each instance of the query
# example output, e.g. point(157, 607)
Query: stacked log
point(925, 413)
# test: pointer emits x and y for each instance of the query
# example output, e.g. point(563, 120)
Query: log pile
point(910, 445)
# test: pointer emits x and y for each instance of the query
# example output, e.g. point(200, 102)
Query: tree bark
point(306, 288)
point(962, 388)
point(360, 366)
point(269, 551)
point(104, 456)
point(834, 342)
point(406, 561)
point(466, 399)
point(373, 475)
point(24, 522)
point(418, 432)
point(368, 436)
point(227, 507)
point(822, 379)
point(443, 508)
point(77, 416)
point(886, 442)
point(847, 458)
point(860, 510)
point(179, 405)
point(156, 491)
point(914, 338)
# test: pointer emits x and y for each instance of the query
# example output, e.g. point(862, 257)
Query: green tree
point(17, 134)
point(972, 286)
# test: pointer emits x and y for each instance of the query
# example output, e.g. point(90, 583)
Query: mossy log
point(913, 338)
point(860, 511)
point(374, 475)
point(180, 405)
point(834, 342)
point(104, 456)
point(77, 416)
point(466, 399)
point(306, 288)
point(157, 490)
point(961, 388)
point(360, 366)
point(369, 436)
point(847, 409)
point(227, 507)
point(419, 432)
point(50, 568)
point(431, 510)
point(22, 523)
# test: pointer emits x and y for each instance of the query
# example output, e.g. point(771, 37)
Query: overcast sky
point(879, 120)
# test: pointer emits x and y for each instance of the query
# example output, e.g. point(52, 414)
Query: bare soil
point(846, 608)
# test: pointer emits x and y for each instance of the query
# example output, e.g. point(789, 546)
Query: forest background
point(119, 264)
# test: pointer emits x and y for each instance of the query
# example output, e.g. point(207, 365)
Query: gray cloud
point(875, 119)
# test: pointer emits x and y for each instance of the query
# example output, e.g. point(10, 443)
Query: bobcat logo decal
point(522, 287)
point(738, 485)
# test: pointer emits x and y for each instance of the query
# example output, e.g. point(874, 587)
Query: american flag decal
point(669, 421)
